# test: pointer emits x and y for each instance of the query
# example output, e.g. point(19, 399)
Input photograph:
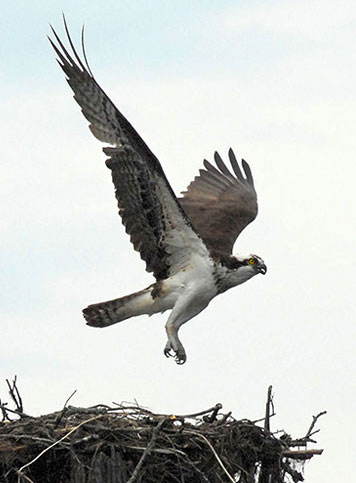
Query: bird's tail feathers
point(108, 313)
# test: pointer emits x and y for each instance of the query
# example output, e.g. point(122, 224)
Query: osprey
point(186, 242)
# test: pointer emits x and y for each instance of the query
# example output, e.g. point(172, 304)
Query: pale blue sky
point(276, 81)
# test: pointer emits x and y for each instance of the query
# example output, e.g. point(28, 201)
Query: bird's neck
point(229, 272)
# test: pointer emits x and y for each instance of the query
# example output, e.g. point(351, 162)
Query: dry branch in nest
point(130, 444)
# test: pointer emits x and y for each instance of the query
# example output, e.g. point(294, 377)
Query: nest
point(127, 444)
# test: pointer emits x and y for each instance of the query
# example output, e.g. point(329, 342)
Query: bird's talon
point(178, 354)
point(180, 359)
point(168, 353)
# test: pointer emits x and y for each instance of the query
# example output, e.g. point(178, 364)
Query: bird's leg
point(187, 306)
point(173, 343)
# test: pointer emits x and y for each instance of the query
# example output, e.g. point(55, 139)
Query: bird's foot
point(175, 350)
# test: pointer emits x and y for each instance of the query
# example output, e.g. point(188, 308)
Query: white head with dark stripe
point(239, 269)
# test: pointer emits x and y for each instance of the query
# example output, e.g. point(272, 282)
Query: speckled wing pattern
point(158, 226)
point(221, 204)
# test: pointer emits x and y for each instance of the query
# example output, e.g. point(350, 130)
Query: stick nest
point(127, 444)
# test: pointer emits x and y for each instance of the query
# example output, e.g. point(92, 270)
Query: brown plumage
point(161, 232)
point(219, 204)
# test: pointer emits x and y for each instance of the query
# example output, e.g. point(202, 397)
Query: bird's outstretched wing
point(219, 204)
point(158, 226)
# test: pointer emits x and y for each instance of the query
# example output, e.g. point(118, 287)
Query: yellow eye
point(251, 261)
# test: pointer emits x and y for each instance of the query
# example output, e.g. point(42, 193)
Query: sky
point(276, 81)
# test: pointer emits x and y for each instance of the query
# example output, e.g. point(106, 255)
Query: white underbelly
point(195, 282)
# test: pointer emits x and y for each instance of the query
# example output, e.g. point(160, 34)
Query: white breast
point(195, 281)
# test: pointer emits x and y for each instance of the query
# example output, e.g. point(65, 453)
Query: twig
point(174, 451)
point(216, 455)
point(103, 406)
point(196, 469)
point(69, 398)
point(19, 436)
point(178, 416)
point(254, 421)
point(315, 418)
point(301, 454)
point(225, 417)
point(27, 478)
point(308, 437)
point(5, 416)
point(15, 396)
point(269, 406)
point(61, 414)
point(296, 475)
point(211, 417)
point(121, 407)
point(147, 451)
point(20, 471)
point(217, 407)
point(70, 410)
point(13, 411)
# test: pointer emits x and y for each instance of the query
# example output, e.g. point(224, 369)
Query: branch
point(20, 471)
point(61, 414)
point(196, 469)
point(215, 454)
point(315, 418)
point(216, 408)
point(307, 438)
point(212, 417)
point(301, 454)
point(296, 475)
point(147, 451)
point(224, 418)
point(269, 407)
point(3, 409)
point(15, 396)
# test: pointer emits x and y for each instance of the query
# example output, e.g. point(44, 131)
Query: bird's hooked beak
point(262, 268)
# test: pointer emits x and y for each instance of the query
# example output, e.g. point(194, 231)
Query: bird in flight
point(185, 241)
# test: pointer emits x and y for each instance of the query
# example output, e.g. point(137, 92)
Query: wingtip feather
point(248, 172)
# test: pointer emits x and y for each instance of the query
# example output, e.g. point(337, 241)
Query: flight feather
point(158, 226)
point(221, 204)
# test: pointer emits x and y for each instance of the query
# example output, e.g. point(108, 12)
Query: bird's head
point(240, 269)
point(247, 267)
point(255, 264)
